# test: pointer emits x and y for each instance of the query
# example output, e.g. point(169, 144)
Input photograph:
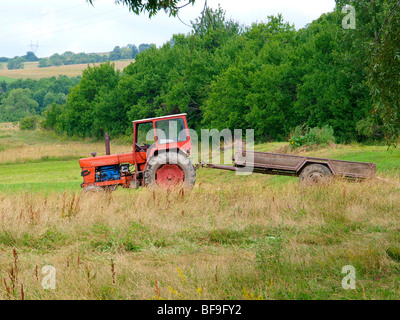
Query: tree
point(151, 6)
point(134, 49)
point(255, 91)
point(29, 123)
point(126, 53)
point(143, 47)
point(78, 115)
point(57, 60)
point(52, 120)
point(384, 75)
point(374, 50)
point(3, 87)
point(68, 56)
point(44, 63)
point(115, 54)
point(267, 76)
point(22, 98)
point(51, 97)
point(30, 56)
point(16, 63)
point(18, 105)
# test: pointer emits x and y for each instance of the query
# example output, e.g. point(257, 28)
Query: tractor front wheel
point(170, 171)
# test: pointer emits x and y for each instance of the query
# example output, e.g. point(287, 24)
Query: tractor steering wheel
point(138, 148)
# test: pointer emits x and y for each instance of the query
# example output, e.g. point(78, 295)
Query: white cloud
point(294, 11)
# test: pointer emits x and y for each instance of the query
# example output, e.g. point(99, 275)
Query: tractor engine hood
point(106, 160)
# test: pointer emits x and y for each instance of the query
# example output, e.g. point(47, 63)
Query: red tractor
point(160, 157)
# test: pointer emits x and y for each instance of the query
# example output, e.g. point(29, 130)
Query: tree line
point(69, 57)
point(26, 98)
point(268, 76)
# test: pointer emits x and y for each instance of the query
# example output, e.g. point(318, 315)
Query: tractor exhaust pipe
point(107, 145)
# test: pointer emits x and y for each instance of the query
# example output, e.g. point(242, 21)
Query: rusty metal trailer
point(309, 169)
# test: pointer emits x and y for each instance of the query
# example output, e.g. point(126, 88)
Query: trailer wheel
point(315, 174)
point(170, 171)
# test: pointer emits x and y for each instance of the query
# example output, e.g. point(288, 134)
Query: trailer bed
point(291, 165)
point(294, 164)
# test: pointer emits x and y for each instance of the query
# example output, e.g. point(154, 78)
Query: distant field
point(32, 71)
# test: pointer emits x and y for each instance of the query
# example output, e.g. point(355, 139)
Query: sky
point(55, 26)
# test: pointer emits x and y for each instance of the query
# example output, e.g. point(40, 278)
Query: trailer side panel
point(294, 164)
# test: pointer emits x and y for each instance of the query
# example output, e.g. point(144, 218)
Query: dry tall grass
point(235, 241)
point(23, 152)
point(17, 146)
point(232, 237)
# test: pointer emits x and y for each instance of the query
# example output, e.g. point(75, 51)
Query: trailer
point(308, 169)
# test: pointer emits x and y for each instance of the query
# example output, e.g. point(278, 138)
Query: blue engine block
point(107, 173)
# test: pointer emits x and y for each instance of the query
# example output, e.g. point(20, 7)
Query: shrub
point(297, 137)
point(44, 63)
point(51, 114)
point(320, 136)
point(301, 136)
point(29, 123)
point(367, 129)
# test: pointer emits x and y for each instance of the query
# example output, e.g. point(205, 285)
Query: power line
point(38, 16)
point(75, 27)
point(54, 26)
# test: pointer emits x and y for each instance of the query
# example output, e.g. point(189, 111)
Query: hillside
point(32, 71)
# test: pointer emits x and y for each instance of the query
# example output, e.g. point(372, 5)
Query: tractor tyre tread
point(163, 158)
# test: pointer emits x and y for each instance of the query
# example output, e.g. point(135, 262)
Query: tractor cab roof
point(172, 116)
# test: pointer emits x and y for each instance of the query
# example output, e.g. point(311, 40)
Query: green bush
point(301, 136)
point(367, 129)
point(320, 136)
point(297, 137)
point(29, 123)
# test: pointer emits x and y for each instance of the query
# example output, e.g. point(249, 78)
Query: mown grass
point(232, 237)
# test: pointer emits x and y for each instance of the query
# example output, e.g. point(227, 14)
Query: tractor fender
point(154, 153)
point(151, 154)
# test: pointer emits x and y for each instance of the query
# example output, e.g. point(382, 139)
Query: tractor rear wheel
point(315, 174)
point(170, 171)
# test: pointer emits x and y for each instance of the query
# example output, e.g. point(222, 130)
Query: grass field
point(232, 237)
point(32, 71)
point(6, 79)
